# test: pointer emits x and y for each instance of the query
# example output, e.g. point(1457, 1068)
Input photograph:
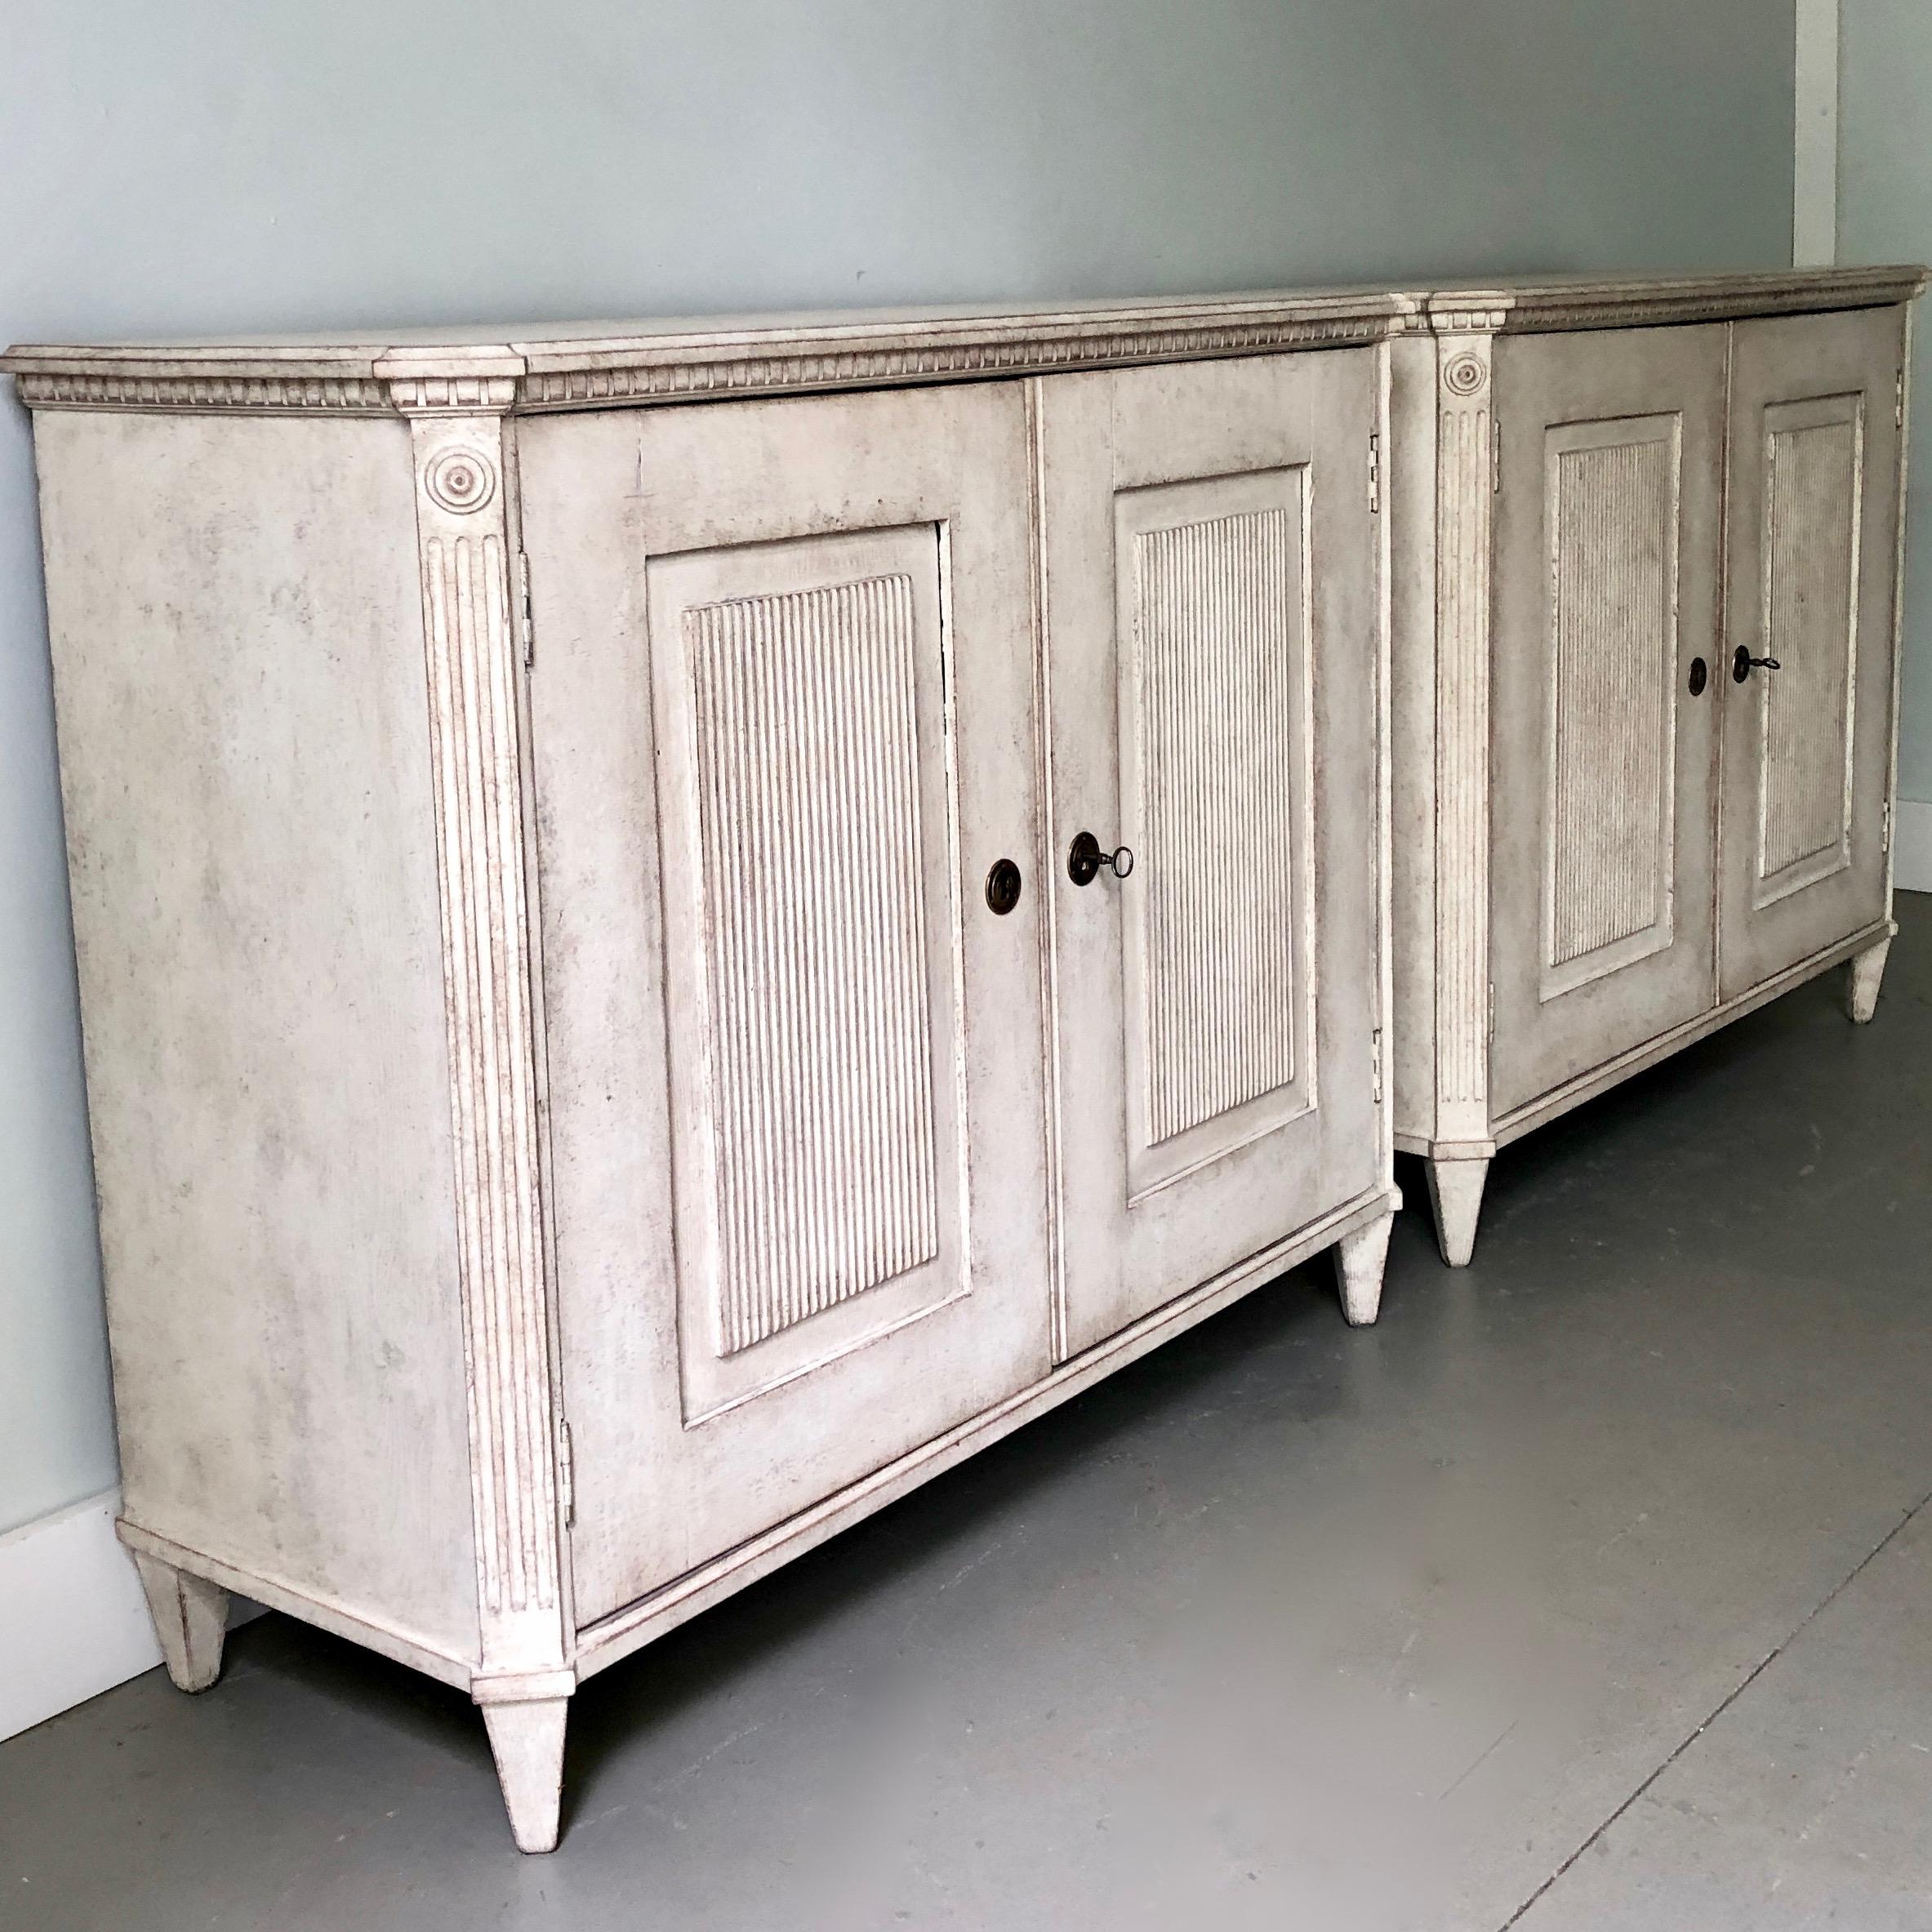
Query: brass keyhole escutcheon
point(1003, 886)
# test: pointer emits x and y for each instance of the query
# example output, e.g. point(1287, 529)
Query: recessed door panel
point(1614, 491)
point(809, 921)
point(782, 714)
point(1604, 752)
point(1813, 529)
point(1214, 730)
point(1814, 459)
point(1210, 584)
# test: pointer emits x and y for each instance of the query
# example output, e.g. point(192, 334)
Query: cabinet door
point(1813, 526)
point(1212, 662)
point(783, 727)
point(1603, 737)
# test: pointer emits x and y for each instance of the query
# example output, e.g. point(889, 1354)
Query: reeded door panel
point(783, 730)
point(1210, 617)
point(1604, 699)
point(810, 916)
point(1812, 543)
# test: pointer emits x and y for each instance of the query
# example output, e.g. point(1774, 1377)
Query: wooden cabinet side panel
point(238, 661)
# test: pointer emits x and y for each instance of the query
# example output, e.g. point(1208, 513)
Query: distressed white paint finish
point(1360, 1260)
point(422, 1019)
point(615, 1637)
point(1211, 672)
point(190, 1619)
point(1863, 978)
point(618, 365)
point(1612, 535)
point(1813, 515)
point(1219, 716)
point(473, 667)
point(1409, 515)
point(1465, 470)
point(1604, 760)
point(818, 1008)
point(1558, 782)
point(235, 615)
point(819, 1033)
point(682, 1452)
point(1456, 1199)
point(622, 364)
point(1813, 465)
point(527, 1741)
point(1552, 1105)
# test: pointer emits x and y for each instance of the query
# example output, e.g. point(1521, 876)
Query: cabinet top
point(592, 365)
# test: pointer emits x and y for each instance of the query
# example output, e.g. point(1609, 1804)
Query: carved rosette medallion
point(460, 479)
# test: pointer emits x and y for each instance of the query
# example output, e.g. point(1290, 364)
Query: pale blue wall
point(201, 167)
point(1885, 214)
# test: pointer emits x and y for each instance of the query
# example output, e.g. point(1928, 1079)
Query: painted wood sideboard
point(680, 925)
point(1647, 539)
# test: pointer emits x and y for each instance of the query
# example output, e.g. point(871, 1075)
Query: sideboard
point(1649, 536)
point(679, 925)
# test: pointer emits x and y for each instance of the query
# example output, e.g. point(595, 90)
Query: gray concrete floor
point(1589, 1591)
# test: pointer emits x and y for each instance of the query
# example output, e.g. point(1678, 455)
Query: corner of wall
point(74, 1621)
point(1912, 845)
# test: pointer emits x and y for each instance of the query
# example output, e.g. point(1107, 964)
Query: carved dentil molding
point(793, 354)
point(452, 395)
point(668, 371)
point(657, 377)
point(201, 395)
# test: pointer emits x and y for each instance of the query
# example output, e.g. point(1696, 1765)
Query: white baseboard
point(74, 1622)
point(1911, 846)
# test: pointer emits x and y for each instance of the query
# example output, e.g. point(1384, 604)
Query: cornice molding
point(690, 370)
point(1632, 301)
point(609, 367)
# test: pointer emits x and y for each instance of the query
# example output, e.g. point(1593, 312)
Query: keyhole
point(1003, 886)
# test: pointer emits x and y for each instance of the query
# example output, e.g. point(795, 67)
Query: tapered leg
point(190, 1619)
point(1456, 1194)
point(1861, 986)
point(1360, 1258)
point(526, 1740)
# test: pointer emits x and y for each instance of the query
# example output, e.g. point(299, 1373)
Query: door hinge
point(1377, 1037)
point(1898, 400)
point(526, 630)
point(1495, 457)
point(566, 1474)
point(1885, 844)
point(1374, 472)
point(1492, 1018)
